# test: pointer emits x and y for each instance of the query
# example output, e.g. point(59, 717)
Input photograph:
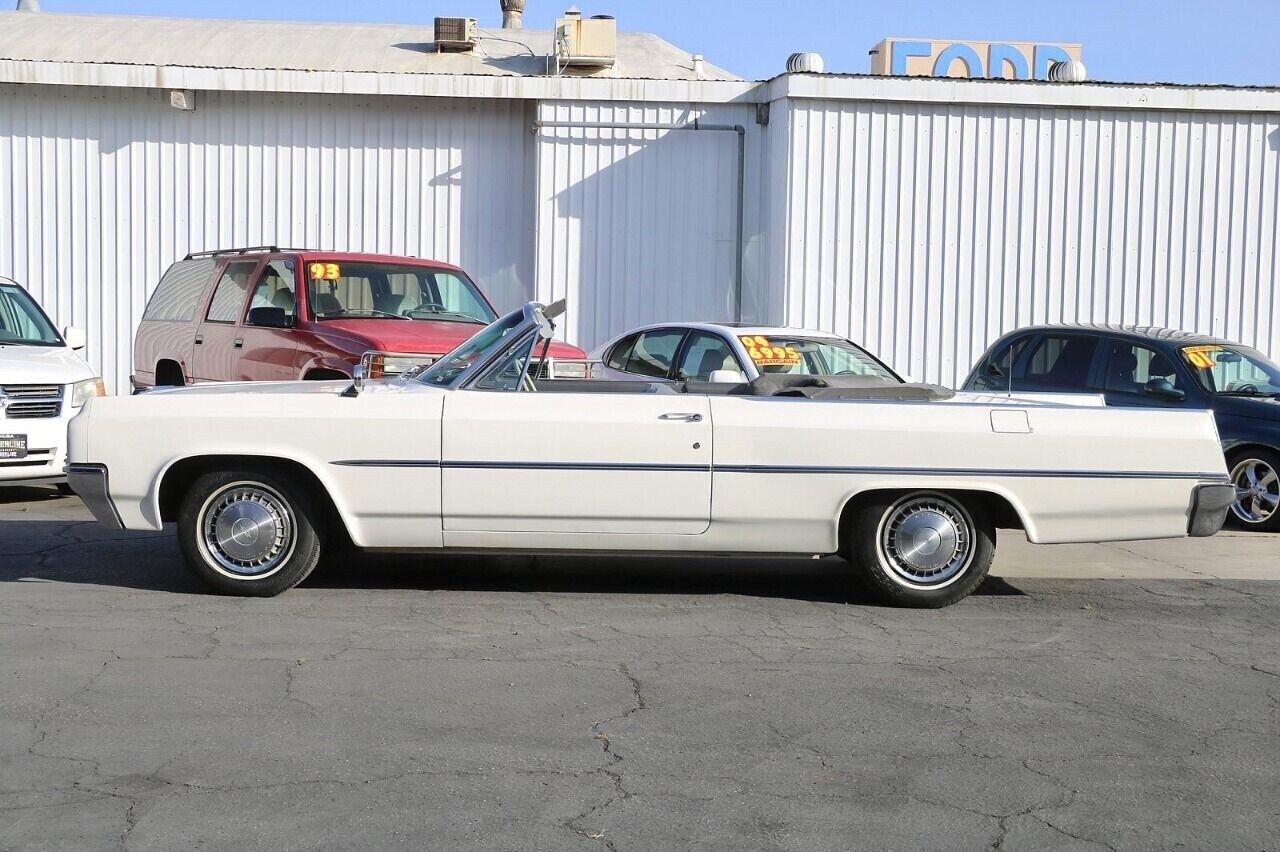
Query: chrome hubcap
point(248, 530)
point(926, 541)
point(1257, 491)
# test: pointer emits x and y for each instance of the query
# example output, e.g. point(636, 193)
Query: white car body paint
point(411, 466)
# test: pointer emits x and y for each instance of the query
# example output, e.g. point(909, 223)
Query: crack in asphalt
point(610, 768)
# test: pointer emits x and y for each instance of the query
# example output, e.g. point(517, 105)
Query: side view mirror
point(726, 377)
point(268, 317)
point(75, 337)
point(1163, 388)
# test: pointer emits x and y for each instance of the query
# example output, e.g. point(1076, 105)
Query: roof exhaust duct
point(512, 14)
point(28, 5)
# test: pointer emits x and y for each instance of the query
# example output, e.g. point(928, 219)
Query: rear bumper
point(1208, 510)
point(90, 482)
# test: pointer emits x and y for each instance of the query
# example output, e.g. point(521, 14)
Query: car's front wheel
point(1256, 476)
point(922, 549)
point(248, 532)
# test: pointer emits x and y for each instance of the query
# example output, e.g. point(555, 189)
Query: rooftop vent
point(455, 33)
point(1071, 71)
point(512, 14)
point(586, 43)
point(806, 63)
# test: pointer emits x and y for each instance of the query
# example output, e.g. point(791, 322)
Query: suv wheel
point(248, 533)
point(1256, 476)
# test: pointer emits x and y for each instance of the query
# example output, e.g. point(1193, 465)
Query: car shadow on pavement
point(81, 552)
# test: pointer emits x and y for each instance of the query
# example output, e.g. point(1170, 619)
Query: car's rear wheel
point(248, 532)
point(1255, 473)
point(922, 549)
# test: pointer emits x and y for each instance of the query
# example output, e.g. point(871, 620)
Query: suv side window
point(1131, 365)
point(179, 291)
point(228, 298)
point(653, 352)
point(1062, 360)
point(705, 353)
point(996, 369)
point(276, 288)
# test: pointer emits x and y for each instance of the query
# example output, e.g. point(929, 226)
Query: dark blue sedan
point(1159, 368)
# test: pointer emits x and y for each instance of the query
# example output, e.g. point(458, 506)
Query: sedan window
point(653, 353)
point(705, 354)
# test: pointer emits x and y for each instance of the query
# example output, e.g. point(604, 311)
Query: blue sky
point(1185, 41)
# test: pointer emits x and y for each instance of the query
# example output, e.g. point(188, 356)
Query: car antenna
point(1008, 373)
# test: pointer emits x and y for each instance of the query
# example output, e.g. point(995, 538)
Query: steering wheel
point(846, 373)
point(1248, 387)
point(430, 307)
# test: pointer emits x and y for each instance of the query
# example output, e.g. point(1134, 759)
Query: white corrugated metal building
point(921, 217)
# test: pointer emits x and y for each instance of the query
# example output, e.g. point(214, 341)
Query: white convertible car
point(907, 482)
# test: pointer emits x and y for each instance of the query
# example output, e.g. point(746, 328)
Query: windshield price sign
point(765, 354)
point(324, 271)
point(1203, 357)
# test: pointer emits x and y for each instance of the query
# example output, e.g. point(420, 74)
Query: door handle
point(686, 417)
point(238, 343)
point(199, 339)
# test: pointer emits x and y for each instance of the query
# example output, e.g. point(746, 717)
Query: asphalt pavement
point(1088, 697)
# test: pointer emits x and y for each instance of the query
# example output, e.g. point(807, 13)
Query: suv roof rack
point(246, 250)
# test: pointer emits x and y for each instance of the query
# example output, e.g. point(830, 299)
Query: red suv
point(267, 313)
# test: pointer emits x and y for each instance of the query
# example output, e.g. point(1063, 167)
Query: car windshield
point(21, 320)
point(450, 366)
point(362, 290)
point(1232, 370)
point(814, 356)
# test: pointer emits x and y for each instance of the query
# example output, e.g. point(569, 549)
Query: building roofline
point(1088, 95)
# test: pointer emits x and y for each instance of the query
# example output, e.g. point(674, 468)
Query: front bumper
point(46, 457)
point(91, 483)
point(1208, 510)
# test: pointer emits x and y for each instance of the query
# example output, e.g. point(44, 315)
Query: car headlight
point(384, 365)
point(82, 392)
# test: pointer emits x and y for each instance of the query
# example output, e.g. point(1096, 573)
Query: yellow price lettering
point(324, 271)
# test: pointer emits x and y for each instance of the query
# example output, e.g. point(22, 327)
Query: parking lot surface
point(1090, 697)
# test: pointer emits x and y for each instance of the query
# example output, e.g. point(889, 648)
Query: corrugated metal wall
point(925, 231)
point(101, 189)
point(639, 226)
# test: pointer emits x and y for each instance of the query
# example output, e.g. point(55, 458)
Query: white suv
point(43, 384)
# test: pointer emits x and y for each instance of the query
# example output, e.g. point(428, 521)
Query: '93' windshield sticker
point(324, 271)
point(765, 354)
point(1201, 356)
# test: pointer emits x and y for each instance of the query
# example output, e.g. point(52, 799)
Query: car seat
point(389, 303)
point(1121, 369)
point(284, 299)
point(327, 304)
point(712, 360)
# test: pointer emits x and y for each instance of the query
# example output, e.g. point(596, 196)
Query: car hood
point(1255, 408)
point(418, 337)
point(34, 365)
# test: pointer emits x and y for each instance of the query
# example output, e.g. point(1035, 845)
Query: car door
point(517, 463)
point(1138, 376)
point(216, 353)
point(268, 346)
